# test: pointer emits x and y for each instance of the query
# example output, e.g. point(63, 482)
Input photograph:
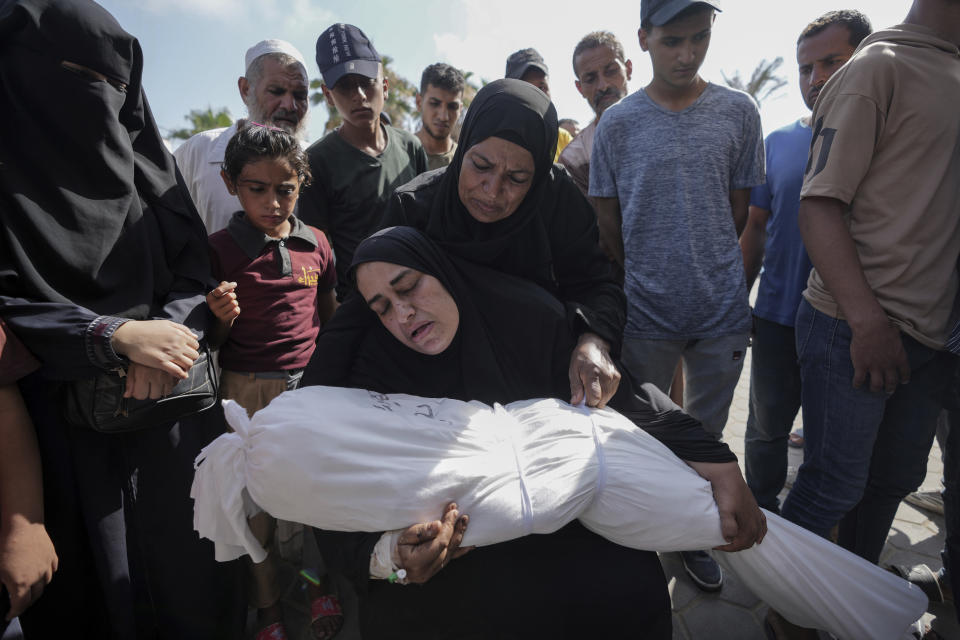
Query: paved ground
point(736, 614)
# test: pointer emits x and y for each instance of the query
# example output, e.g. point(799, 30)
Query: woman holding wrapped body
point(502, 203)
point(103, 266)
point(461, 330)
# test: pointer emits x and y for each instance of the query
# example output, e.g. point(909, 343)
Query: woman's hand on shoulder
point(593, 376)
point(158, 344)
point(426, 548)
point(223, 302)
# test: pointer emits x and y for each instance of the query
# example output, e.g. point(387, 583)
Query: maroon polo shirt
point(278, 283)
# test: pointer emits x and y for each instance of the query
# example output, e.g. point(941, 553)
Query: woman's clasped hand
point(161, 352)
point(425, 548)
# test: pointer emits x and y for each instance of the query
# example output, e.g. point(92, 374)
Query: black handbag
point(98, 403)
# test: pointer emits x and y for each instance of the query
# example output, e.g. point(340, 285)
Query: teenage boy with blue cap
point(356, 166)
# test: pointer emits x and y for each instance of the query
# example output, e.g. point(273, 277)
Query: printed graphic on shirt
point(828, 135)
point(309, 276)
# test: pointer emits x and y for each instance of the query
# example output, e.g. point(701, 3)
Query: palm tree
point(203, 121)
point(764, 80)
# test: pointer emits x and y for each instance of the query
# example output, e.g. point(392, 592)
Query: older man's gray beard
point(256, 114)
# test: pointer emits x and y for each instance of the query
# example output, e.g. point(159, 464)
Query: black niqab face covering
point(91, 207)
point(520, 113)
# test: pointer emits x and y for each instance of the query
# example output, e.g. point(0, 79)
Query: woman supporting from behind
point(502, 203)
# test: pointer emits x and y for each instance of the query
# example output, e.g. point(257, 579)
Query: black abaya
point(95, 224)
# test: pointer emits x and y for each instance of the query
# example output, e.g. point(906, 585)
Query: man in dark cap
point(671, 199)
point(528, 65)
point(357, 165)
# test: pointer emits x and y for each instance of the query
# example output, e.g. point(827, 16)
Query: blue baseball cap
point(343, 49)
point(659, 12)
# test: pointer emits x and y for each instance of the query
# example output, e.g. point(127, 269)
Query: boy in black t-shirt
point(357, 166)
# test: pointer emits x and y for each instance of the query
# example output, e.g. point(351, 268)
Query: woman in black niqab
point(93, 210)
point(98, 232)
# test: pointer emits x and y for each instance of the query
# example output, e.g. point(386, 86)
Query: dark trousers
point(119, 512)
point(774, 402)
point(569, 584)
point(950, 445)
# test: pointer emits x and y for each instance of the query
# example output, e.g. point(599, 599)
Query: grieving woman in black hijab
point(499, 339)
point(502, 203)
point(103, 265)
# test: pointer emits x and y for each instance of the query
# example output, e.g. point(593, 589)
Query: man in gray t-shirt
point(671, 172)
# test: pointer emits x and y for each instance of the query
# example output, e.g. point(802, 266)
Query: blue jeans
point(774, 402)
point(863, 451)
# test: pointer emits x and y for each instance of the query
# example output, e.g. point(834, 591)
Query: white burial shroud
point(354, 460)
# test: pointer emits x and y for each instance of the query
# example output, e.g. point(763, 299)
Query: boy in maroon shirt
point(282, 270)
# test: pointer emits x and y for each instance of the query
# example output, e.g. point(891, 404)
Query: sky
point(194, 49)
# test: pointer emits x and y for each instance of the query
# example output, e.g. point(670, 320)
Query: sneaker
point(795, 439)
point(702, 569)
point(928, 500)
point(923, 577)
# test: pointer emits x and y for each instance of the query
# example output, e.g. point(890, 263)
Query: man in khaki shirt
point(880, 217)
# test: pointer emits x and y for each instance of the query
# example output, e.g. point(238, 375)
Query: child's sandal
point(326, 617)
point(273, 631)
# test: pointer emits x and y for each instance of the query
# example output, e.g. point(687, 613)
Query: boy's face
point(358, 99)
point(267, 190)
point(677, 49)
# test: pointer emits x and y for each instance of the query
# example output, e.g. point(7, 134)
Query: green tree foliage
point(763, 83)
point(401, 102)
point(203, 121)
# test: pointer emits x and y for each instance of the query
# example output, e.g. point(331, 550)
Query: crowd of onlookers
point(648, 228)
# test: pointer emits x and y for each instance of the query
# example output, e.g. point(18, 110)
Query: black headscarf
point(92, 208)
point(550, 239)
point(517, 112)
point(511, 336)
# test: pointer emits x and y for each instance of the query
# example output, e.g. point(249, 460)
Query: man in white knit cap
point(275, 89)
